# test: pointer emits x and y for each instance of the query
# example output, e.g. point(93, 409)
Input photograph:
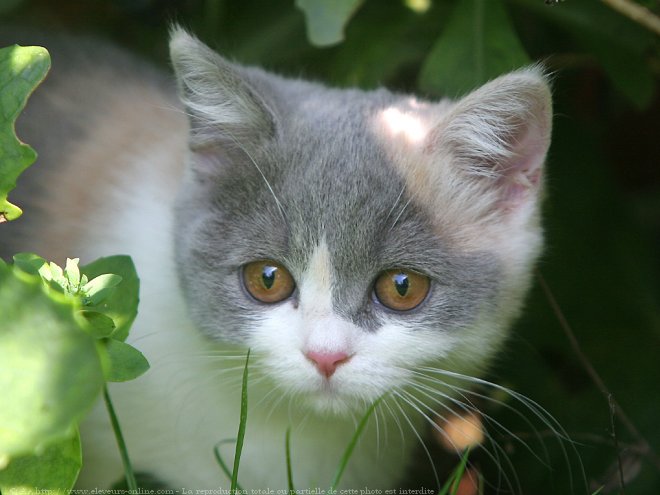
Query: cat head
point(351, 238)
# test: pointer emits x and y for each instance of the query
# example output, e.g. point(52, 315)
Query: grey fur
point(322, 165)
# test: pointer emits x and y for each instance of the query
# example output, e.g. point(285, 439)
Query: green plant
point(603, 202)
point(63, 330)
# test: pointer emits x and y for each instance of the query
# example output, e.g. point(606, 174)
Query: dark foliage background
point(602, 212)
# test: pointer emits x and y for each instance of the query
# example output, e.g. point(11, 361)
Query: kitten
point(362, 244)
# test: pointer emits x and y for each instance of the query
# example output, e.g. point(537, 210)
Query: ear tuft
point(222, 106)
point(500, 134)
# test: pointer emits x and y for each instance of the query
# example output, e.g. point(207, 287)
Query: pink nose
point(327, 362)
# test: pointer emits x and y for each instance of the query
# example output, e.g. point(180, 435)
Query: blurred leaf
point(99, 325)
point(620, 45)
point(53, 471)
point(21, 70)
point(29, 262)
point(72, 272)
point(99, 288)
point(121, 305)
point(8, 5)
point(126, 362)
point(477, 44)
point(624, 67)
point(50, 372)
point(326, 20)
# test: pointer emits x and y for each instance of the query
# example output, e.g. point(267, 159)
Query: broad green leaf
point(21, 70)
point(29, 262)
point(53, 471)
point(326, 20)
point(122, 304)
point(99, 288)
point(477, 44)
point(50, 370)
point(126, 362)
point(98, 324)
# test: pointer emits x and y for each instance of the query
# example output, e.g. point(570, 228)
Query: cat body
point(333, 188)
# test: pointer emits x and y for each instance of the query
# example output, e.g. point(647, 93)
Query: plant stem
point(351, 446)
point(221, 462)
point(289, 470)
point(637, 13)
point(241, 426)
point(128, 469)
point(593, 374)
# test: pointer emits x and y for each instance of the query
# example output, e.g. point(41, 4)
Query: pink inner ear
point(522, 172)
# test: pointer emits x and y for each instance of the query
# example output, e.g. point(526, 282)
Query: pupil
point(268, 276)
point(401, 283)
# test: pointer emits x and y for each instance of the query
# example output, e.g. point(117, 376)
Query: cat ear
point(497, 138)
point(224, 110)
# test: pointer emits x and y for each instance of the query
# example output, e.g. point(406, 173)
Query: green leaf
point(57, 278)
point(21, 70)
point(326, 20)
point(8, 5)
point(72, 273)
point(624, 67)
point(122, 304)
point(477, 44)
point(98, 324)
point(99, 288)
point(126, 362)
point(50, 370)
point(53, 471)
point(29, 262)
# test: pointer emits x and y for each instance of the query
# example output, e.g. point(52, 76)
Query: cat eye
point(401, 290)
point(268, 281)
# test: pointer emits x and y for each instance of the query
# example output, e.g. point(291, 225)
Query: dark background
point(602, 214)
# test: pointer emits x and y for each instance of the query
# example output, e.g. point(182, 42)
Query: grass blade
point(351, 446)
point(221, 462)
point(453, 481)
point(289, 470)
point(241, 426)
point(123, 452)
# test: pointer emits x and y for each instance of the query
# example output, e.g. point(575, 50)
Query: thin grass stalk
point(351, 446)
point(289, 469)
point(222, 463)
point(240, 437)
point(453, 482)
point(123, 451)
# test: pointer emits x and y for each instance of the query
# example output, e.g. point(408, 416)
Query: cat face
point(351, 238)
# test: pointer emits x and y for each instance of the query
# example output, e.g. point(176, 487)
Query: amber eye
point(268, 281)
point(401, 290)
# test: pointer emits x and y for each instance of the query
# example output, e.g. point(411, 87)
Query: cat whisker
point(493, 456)
point(394, 416)
point(469, 407)
point(542, 414)
point(398, 217)
point(263, 176)
point(396, 203)
point(416, 433)
point(537, 410)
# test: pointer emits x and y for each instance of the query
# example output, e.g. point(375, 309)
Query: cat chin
point(332, 404)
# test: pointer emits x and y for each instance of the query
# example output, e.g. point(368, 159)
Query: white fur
point(174, 415)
